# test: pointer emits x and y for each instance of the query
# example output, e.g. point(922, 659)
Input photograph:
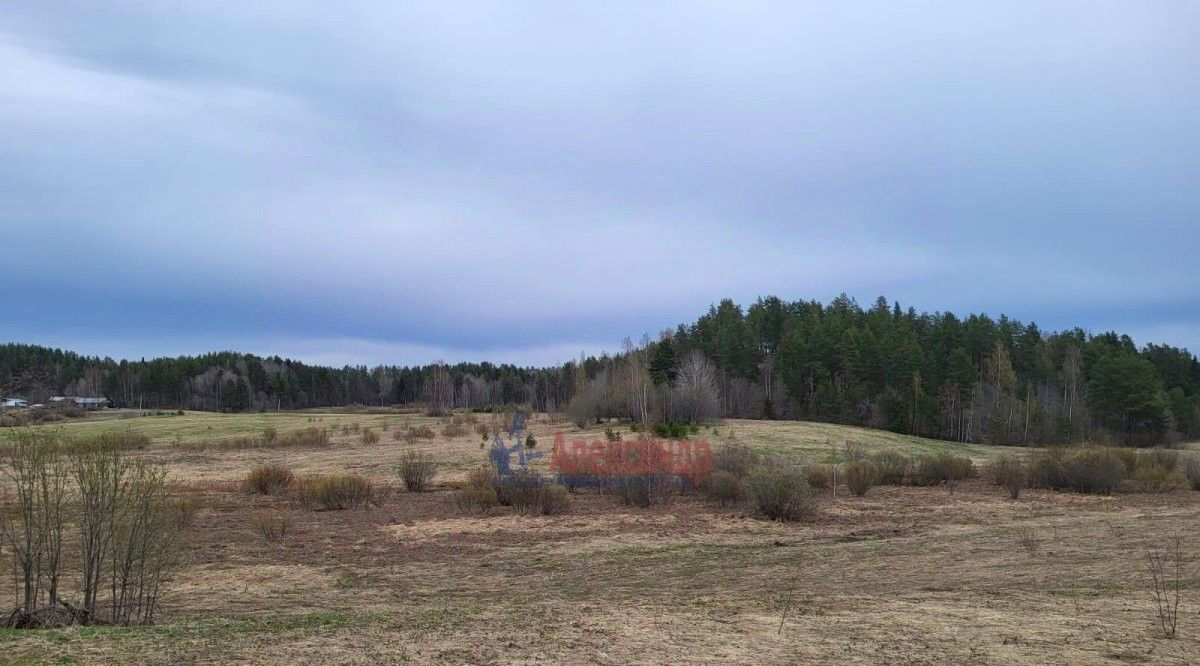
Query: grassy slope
point(208, 426)
point(798, 440)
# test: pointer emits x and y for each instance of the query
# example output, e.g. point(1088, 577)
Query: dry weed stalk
point(1165, 567)
point(1030, 540)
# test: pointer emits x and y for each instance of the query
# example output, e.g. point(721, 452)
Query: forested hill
point(968, 378)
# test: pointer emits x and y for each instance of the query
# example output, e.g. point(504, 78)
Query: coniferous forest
point(973, 378)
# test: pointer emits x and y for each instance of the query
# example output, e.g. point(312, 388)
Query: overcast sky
point(402, 181)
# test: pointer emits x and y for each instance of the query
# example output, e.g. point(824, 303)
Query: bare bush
point(722, 487)
point(1158, 456)
point(1095, 471)
point(369, 436)
point(335, 492)
point(416, 470)
point(477, 494)
point(34, 528)
point(130, 531)
point(1047, 469)
point(522, 490)
point(782, 494)
point(1009, 472)
point(943, 468)
point(852, 451)
point(1191, 470)
point(820, 477)
point(1155, 479)
point(891, 468)
point(272, 524)
point(414, 433)
point(556, 500)
point(270, 479)
point(1165, 567)
point(860, 476)
point(145, 544)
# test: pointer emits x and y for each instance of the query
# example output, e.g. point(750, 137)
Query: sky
point(518, 182)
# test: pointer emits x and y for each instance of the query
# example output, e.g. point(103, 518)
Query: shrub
point(860, 476)
point(1191, 470)
point(612, 435)
point(944, 467)
point(723, 487)
point(853, 451)
point(334, 492)
point(556, 500)
point(1155, 479)
point(735, 458)
point(270, 479)
point(1010, 473)
point(821, 477)
point(416, 470)
point(1095, 471)
point(891, 468)
point(369, 436)
point(1166, 459)
point(413, 433)
point(530, 441)
point(477, 495)
point(272, 525)
point(1047, 469)
point(781, 494)
point(522, 490)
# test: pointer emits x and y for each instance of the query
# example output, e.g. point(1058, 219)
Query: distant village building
point(86, 403)
point(14, 402)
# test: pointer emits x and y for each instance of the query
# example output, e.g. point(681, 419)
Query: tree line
point(970, 378)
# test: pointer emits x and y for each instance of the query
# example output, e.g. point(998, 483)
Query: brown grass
point(903, 575)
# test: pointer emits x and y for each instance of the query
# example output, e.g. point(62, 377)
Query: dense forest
point(971, 378)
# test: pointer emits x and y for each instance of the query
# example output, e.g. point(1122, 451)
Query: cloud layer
point(518, 182)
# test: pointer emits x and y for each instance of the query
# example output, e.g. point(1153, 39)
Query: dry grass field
point(901, 575)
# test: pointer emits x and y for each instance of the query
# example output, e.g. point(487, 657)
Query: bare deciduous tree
point(439, 389)
point(696, 395)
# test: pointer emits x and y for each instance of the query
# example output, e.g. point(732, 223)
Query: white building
point(86, 403)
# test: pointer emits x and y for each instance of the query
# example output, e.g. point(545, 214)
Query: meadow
point(955, 573)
